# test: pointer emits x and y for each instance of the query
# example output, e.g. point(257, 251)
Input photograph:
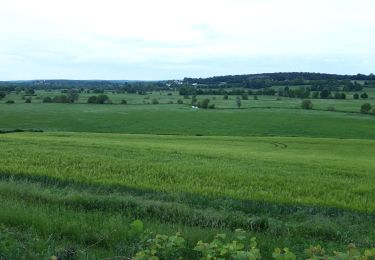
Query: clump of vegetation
point(28, 100)
point(307, 104)
point(180, 101)
point(204, 103)
point(155, 101)
point(238, 101)
point(100, 99)
point(10, 102)
point(364, 95)
point(365, 108)
point(124, 102)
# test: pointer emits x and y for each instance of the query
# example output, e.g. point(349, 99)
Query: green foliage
point(307, 104)
point(283, 254)
point(365, 108)
point(155, 101)
point(204, 103)
point(238, 101)
point(162, 247)
point(240, 248)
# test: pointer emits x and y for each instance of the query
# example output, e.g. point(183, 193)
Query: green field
point(288, 176)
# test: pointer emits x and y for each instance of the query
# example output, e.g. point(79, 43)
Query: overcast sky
point(171, 39)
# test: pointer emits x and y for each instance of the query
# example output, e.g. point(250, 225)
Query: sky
point(172, 39)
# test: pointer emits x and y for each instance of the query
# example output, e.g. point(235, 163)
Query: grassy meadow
point(287, 176)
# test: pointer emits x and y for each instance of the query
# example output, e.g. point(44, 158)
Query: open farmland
point(82, 178)
point(286, 191)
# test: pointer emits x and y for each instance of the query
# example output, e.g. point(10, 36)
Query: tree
point(180, 101)
point(225, 97)
point(124, 102)
point(73, 96)
point(155, 101)
point(325, 94)
point(307, 104)
point(193, 100)
point(238, 101)
point(365, 108)
point(315, 94)
point(355, 96)
point(364, 95)
point(2, 94)
point(28, 100)
point(245, 96)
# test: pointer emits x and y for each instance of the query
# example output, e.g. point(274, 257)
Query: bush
point(211, 106)
point(245, 96)
point(331, 108)
point(356, 96)
point(155, 101)
point(170, 102)
point(364, 96)
point(255, 97)
point(2, 94)
point(124, 102)
point(225, 97)
point(28, 100)
point(204, 103)
point(372, 111)
point(92, 100)
point(61, 99)
point(180, 101)
point(365, 108)
point(103, 99)
point(306, 104)
point(47, 100)
point(10, 102)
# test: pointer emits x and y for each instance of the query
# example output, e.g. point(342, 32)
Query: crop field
point(289, 177)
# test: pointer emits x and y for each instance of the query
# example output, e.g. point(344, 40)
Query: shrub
point(211, 106)
point(61, 99)
point(47, 100)
point(2, 94)
point(255, 97)
point(10, 102)
point(103, 99)
point(365, 108)
point(92, 100)
point(372, 111)
point(307, 104)
point(225, 97)
point(355, 96)
point(364, 95)
point(155, 101)
point(331, 108)
point(170, 102)
point(124, 102)
point(245, 96)
point(28, 100)
point(204, 103)
point(180, 101)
